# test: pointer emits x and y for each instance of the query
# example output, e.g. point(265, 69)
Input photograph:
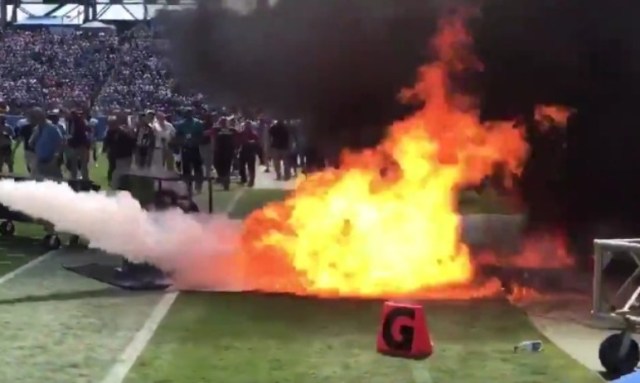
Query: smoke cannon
point(197, 250)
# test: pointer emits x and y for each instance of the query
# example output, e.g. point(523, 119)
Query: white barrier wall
point(500, 232)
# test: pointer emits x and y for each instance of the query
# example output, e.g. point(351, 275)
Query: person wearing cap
point(6, 144)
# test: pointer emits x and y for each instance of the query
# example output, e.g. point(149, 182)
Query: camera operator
point(6, 144)
point(189, 133)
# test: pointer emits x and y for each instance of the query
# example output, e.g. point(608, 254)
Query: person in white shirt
point(165, 133)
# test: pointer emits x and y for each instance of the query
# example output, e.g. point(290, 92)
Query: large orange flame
point(386, 222)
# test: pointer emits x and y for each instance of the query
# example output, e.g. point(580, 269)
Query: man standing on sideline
point(225, 147)
point(166, 133)
point(79, 146)
point(249, 149)
point(280, 144)
point(120, 145)
point(263, 131)
point(189, 134)
point(54, 117)
point(47, 143)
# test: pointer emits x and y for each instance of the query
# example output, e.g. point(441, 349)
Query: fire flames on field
point(386, 222)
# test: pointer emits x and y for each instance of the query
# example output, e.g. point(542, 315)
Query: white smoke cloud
point(200, 251)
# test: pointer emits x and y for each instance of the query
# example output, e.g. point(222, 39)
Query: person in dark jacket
point(79, 143)
point(249, 150)
point(280, 148)
point(119, 144)
point(225, 143)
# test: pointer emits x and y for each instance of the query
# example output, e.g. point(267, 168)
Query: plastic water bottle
point(529, 345)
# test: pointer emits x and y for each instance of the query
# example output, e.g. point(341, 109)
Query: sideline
point(9, 276)
point(127, 359)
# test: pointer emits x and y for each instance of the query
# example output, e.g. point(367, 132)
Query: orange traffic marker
point(403, 332)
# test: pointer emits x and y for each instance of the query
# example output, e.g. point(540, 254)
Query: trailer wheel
point(611, 358)
point(51, 242)
point(191, 207)
point(74, 241)
point(7, 228)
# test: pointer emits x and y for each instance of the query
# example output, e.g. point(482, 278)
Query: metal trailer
point(51, 241)
point(619, 353)
point(158, 191)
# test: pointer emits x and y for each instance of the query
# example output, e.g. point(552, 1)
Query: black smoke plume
point(339, 65)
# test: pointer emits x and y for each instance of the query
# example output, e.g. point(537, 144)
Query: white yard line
point(127, 359)
point(9, 276)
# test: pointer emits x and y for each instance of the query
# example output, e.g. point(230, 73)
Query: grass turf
point(239, 338)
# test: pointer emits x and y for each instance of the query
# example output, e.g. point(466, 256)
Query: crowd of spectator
point(61, 80)
point(40, 67)
point(142, 78)
point(102, 71)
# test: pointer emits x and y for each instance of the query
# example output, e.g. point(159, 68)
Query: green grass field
point(245, 338)
point(238, 338)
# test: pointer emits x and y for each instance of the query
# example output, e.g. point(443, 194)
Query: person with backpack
point(79, 143)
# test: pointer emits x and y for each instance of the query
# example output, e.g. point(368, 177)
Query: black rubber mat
point(124, 279)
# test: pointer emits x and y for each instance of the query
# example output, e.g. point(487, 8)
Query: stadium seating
point(100, 71)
